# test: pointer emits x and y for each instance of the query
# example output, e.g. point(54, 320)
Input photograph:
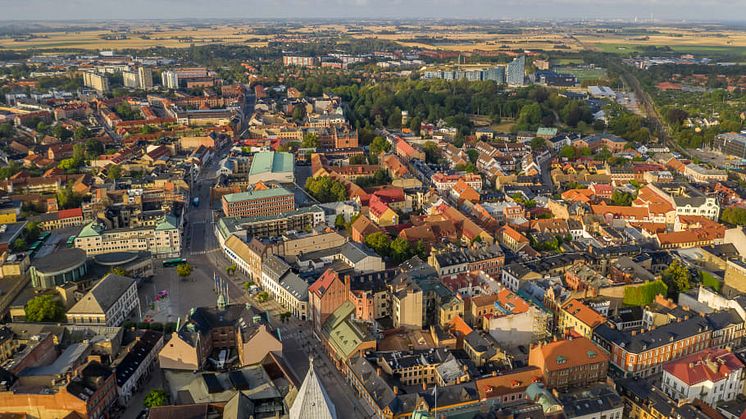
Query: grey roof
point(682, 201)
point(60, 260)
point(65, 362)
point(202, 320)
point(671, 332)
point(136, 355)
point(103, 295)
point(595, 400)
point(275, 267)
point(354, 252)
point(295, 285)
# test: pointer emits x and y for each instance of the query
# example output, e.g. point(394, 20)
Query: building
point(326, 295)
point(515, 73)
point(162, 240)
point(573, 362)
point(301, 219)
point(59, 219)
point(312, 400)
point(170, 79)
point(108, 303)
point(294, 60)
point(132, 371)
point(735, 275)
point(285, 286)
point(579, 317)
point(89, 393)
point(145, 78)
point(510, 386)
point(207, 330)
point(58, 268)
point(130, 79)
point(98, 82)
point(641, 354)
point(597, 401)
point(255, 203)
point(732, 144)
point(271, 166)
point(711, 375)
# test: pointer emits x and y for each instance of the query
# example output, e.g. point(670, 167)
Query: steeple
point(312, 400)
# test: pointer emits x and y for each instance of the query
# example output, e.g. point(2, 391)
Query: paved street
point(202, 251)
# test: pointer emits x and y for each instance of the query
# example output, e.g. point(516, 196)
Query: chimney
point(347, 284)
point(379, 371)
point(424, 386)
point(396, 390)
point(634, 333)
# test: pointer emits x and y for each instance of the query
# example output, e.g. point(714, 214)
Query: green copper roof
point(169, 222)
point(344, 335)
point(270, 161)
point(249, 195)
point(90, 230)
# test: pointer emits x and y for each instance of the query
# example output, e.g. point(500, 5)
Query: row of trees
point(453, 101)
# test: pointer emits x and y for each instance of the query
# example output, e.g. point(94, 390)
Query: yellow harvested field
point(143, 37)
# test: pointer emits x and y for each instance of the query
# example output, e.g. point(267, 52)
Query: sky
point(468, 9)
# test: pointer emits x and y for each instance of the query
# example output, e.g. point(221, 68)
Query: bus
point(35, 246)
point(45, 235)
point(173, 262)
point(71, 241)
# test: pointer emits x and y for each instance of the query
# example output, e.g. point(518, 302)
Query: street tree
point(44, 308)
point(184, 270)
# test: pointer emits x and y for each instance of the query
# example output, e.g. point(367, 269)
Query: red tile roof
point(707, 365)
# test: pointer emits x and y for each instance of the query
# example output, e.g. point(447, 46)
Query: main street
point(203, 252)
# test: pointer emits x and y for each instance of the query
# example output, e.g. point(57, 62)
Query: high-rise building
point(131, 79)
point(495, 73)
point(170, 80)
point(145, 76)
point(96, 81)
point(516, 71)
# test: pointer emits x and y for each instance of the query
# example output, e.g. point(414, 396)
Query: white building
point(137, 365)
point(163, 239)
point(170, 80)
point(108, 303)
point(712, 375)
point(698, 205)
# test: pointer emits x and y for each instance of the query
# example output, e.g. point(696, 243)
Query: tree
point(432, 153)
point(677, 277)
point(114, 172)
point(184, 270)
point(325, 189)
point(676, 116)
point(339, 221)
point(377, 146)
point(358, 159)
point(299, 113)
point(567, 152)
point(310, 140)
point(401, 250)
point(231, 270)
point(32, 231)
point(622, 198)
point(67, 199)
point(538, 143)
point(19, 244)
point(529, 117)
point(734, 215)
point(44, 308)
point(155, 398)
point(379, 242)
point(119, 271)
point(81, 133)
point(473, 155)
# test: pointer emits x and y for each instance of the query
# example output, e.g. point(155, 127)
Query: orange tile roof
point(570, 353)
point(511, 382)
point(636, 213)
point(515, 235)
point(459, 326)
point(583, 313)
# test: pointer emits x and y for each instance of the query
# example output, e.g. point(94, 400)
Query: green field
point(584, 73)
point(709, 50)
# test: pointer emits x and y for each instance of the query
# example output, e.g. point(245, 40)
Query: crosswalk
point(203, 252)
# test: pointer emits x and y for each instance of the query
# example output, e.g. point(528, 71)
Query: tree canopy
point(44, 308)
point(734, 215)
point(156, 397)
point(677, 278)
point(325, 189)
